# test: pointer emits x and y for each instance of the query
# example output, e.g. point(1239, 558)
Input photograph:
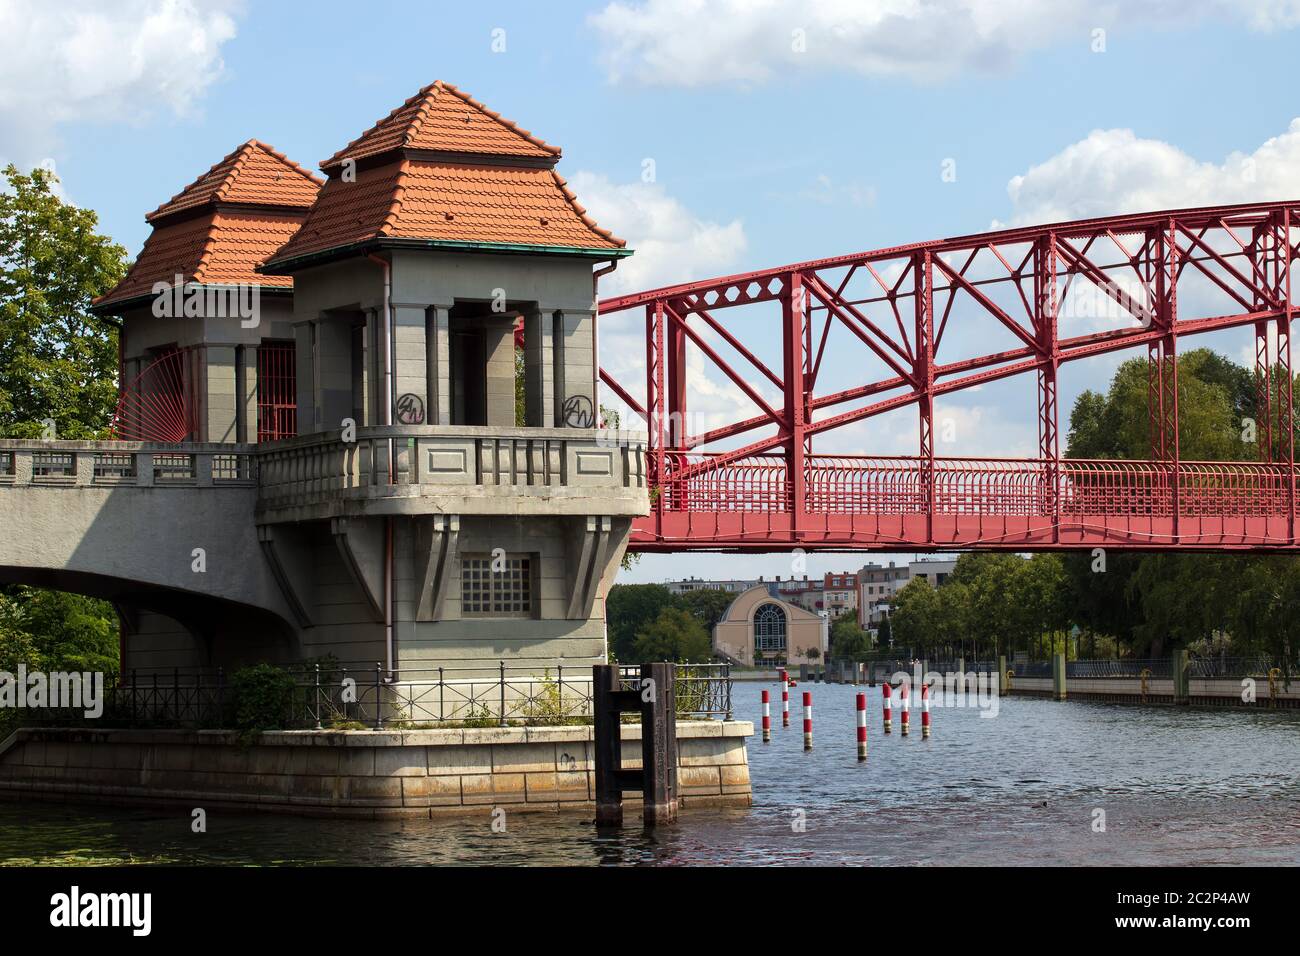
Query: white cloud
point(1114, 171)
point(671, 244)
point(82, 60)
point(747, 42)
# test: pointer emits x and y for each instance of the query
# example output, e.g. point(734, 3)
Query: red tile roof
point(448, 202)
point(425, 181)
point(254, 174)
point(213, 232)
point(443, 119)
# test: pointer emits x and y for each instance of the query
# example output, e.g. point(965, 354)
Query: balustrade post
point(83, 467)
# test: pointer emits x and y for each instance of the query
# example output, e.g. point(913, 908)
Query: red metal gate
point(277, 391)
point(156, 405)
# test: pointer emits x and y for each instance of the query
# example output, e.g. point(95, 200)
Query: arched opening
point(769, 635)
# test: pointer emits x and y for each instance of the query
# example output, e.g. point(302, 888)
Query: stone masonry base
point(360, 773)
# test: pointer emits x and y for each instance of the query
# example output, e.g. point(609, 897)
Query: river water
point(1033, 785)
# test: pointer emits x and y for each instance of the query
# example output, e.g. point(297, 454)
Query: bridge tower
point(444, 322)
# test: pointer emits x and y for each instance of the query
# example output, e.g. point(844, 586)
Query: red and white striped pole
point(925, 711)
point(889, 714)
point(785, 698)
point(906, 706)
point(862, 727)
point(767, 719)
point(807, 720)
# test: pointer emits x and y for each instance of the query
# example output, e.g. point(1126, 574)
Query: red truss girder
point(725, 489)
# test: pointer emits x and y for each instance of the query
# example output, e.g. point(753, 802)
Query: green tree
point(952, 621)
point(1262, 605)
point(708, 605)
point(885, 632)
point(1214, 395)
point(915, 617)
point(52, 630)
point(57, 361)
point(990, 581)
point(675, 635)
point(848, 640)
point(1152, 603)
point(1041, 597)
point(1102, 601)
point(629, 609)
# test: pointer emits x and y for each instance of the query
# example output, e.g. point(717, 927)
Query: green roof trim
point(380, 242)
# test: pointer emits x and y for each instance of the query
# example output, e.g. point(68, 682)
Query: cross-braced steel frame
point(731, 487)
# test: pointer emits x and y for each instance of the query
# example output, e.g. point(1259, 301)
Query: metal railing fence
point(340, 696)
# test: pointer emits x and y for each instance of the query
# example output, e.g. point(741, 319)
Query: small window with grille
point(496, 587)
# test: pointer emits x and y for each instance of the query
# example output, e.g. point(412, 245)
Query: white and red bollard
point(785, 698)
point(862, 727)
point(807, 720)
point(889, 713)
point(906, 705)
point(767, 718)
point(925, 711)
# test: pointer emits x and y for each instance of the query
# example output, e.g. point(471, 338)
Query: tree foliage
point(848, 640)
point(55, 631)
point(57, 361)
point(640, 631)
point(674, 635)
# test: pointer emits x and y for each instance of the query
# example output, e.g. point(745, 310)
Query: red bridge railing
point(1103, 497)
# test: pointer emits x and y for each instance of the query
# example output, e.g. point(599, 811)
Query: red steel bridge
point(935, 318)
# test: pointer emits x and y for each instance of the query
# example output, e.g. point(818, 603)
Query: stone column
point(410, 365)
point(575, 370)
point(499, 350)
point(438, 364)
point(1058, 676)
point(539, 372)
point(362, 379)
point(246, 393)
point(217, 395)
point(304, 337)
point(374, 367)
point(334, 368)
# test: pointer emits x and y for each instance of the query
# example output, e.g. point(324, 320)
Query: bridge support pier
point(655, 698)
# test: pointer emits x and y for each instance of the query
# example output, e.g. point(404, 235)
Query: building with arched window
point(760, 630)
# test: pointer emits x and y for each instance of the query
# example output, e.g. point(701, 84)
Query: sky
point(715, 137)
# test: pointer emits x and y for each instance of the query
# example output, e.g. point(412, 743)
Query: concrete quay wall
point(1201, 691)
point(359, 773)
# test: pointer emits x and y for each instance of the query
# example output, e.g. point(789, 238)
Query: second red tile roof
point(254, 174)
point(218, 229)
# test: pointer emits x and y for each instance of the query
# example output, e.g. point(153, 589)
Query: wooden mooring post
point(655, 698)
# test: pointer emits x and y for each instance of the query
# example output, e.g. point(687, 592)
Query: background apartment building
point(877, 584)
